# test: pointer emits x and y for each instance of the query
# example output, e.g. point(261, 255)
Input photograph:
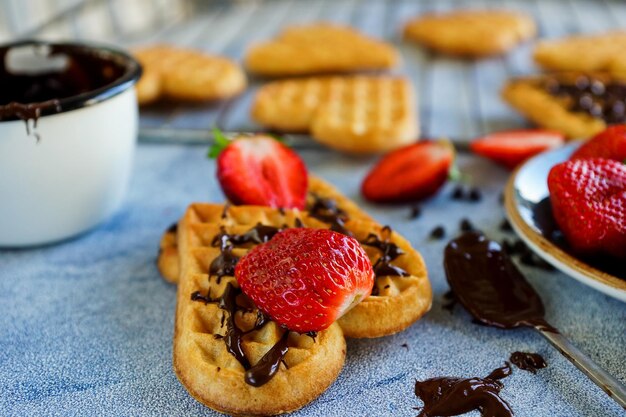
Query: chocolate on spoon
point(491, 288)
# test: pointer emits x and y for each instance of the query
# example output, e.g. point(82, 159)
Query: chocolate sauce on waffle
point(601, 99)
point(487, 283)
point(326, 210)
point(449, 396)
point(268, 365)
point(224, 265)
point(389, 252)
point(528, 361)
point(258, 234)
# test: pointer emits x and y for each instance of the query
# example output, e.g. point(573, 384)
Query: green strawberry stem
point(220, 141)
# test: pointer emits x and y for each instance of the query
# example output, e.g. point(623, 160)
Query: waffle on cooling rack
point(356, 114)
point(186, 74)
point(319, 48)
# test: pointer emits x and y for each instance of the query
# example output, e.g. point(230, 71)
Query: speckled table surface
point(86, 325)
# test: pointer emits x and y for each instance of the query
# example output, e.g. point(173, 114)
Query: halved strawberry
point(259, 170)
point(588, 198)
point(410, 173)
point(305, 279)
point(512, 147)
point(610, 144)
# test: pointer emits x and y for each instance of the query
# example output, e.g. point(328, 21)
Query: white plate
point(528, 209)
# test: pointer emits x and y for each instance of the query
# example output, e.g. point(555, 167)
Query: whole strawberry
point(588, 199)
point(259, 170)
point(610, 144)
point(305, 279)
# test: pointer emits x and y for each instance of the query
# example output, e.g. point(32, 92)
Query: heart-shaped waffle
point(219, 335)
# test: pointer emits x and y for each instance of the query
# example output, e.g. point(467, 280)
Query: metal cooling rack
point(457, 99)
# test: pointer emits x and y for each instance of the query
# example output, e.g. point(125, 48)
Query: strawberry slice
point(259, 170)
point(305, 279)
point(512, 147)
point(410, 173)
point(610, 144)
point(588, 198)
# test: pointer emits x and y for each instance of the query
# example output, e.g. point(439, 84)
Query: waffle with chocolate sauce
point(227, 354)
point(355, 114)
point(401, 293)
point(577, 104)
point(233, 358)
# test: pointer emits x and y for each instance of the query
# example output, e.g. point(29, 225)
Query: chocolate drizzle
point(601, 99)
point(224, 263)
point(233, 300)
point(449, 396)
point(489, 285)
point(389, 252)
point(327, 211)
point(528, 361)
point(268, 365)
point(258, 234)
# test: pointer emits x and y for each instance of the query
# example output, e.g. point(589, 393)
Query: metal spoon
point(489, 285)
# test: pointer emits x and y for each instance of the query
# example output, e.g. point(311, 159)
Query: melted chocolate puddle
point(39, 85)
point(487, 283)
point(449, 396)
point(528, 361)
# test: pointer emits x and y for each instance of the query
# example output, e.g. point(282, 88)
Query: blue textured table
point(86, 326)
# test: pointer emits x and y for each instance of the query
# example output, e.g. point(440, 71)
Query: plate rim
point(573, 267)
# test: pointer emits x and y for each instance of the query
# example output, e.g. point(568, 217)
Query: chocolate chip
point(475, 195)
point(597, 87)
point(458, 193)
point(582, 82)
point(416, 211)
point(585, 102)
point(596, 110)
point(505, 226)
point(466, 226)
point(438, 232)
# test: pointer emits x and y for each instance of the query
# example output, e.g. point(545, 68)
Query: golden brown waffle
point(202, 362)
point(319, 48)
point(168, 261)
point(531, 97)
point(185, 74)
point(357, 114)
point(583, 52)
point(471, 33)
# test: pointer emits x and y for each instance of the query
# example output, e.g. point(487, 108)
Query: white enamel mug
point(76, 174)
